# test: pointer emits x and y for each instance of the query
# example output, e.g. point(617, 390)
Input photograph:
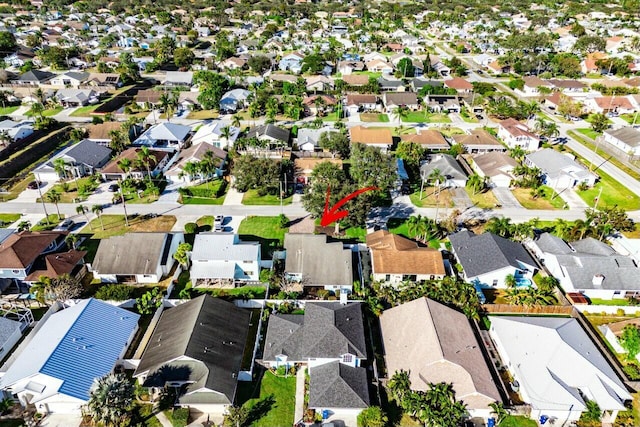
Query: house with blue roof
point(55, 369)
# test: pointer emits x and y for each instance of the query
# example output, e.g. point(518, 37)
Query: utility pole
point(44, 206)
point(595, 207)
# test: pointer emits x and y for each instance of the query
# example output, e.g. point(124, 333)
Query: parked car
point(67, 224)
point(219, 219)
point(113, 188)
point(217, 226)
point(34, 185)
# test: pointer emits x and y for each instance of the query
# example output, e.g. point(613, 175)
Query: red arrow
point(331, 215)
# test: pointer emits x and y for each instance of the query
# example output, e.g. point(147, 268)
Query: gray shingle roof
point(628, 135)
point(325, 330)
point(114, 254)
point(447, 165)
point(547, 242)
point(8, 327)
point(480, 254)
point(271, 131)
point(209, 331)
point(336, 385)
point(320, 262)
point(88, 153)
point(592, 246)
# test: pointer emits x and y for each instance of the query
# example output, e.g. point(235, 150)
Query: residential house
point(497, 167)
point(318, 105)
point(109, 81)
point(309, 139)
point(429, 139)
point(333, 270)
point(34, 78)
point(147, 98)
point(626, 139)
point(101, 132)
point(567, 86)
point(395, 258)
point(164, 136)
point(443, 103)
point(76, 97)
point(588, 266)
point(356, 80)
point(559, 171)
point(113, 171)
point(15, 131)
point(380, 137)
point(400, 99)
point(449, 168)
point(303, 167)
point(81, 159)
point(211, 132)
point(517, 134)
point(20, 251)
point(329, 339)
point(557, 384)
point(54, 265)
point(389, 84)
point(532, 85)
point(379, 66)
point(234, 100)
point(291, 62)
point(271, 133)
point(479, 141)
point(437, 65)
point(365, 102)
point(612, 332)
point(368, 57)
point(92, 334)
point(195, 154)
point(459, 84)
point(233, 63)
point(197, 346)
point(446, 350)
point(222, 260)
point(70, 79)
point(10, 333)
point(348, 67)
point(178, 78)
point(319, 84)
point(487, 259)
point(153, 258)
point(609, 105)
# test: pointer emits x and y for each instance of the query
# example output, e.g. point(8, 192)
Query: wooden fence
point(521, 309)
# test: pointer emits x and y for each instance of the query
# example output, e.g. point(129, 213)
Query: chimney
point(597, 280)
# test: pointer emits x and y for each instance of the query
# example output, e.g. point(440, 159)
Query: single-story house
point(487, 259)
point(178, 78)
point(309, 139)
point(101, 132)
point(479, 141)
point(20, 251)
point(195, 154)
point(148, 98)
point(303, 167)
point(164, 136)
point(153, 258)
point(496, 166)
point(70, 79)
point(15, 130)
point(626, 139)
point(10, 334)
point(445, 350)
point(34, 78)
point(222, 259)
point(459, 84)
point(429, 139)
point(233, 100)
point(81, 159)
point(393, 100)
point(449, 167)
point(113, 171)
point(609, 104)
point(56, 369)
point(211, 132)
point(76, 97)
point(197, 347)
point(380, 137)
point(443, 103)
point(559, 170)
point(361, 102)
point(270, 133)
point(395, 258)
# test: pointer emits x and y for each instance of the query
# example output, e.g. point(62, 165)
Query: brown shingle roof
point(361, 98)
point(430, 137)
point(394, 254)
point(477, 137)
point(363, 135)
point(101, 131)
point(356, 79)
point(132, 154)
point(20, 250)
point(148, 95)
point(458, 83)
point(56, 265)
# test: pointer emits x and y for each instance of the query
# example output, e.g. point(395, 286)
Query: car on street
point(34, 185)
point(65, 225)
point(219, 219)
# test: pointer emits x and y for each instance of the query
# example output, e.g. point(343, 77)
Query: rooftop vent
point(597, 280)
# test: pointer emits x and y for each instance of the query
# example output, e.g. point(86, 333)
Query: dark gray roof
point(549, 243)
point(333, 267)
point(336, 385)
point(211, 332)
point(89, 153)
point(325, 330)
point(114, 254)
point(447, 165)
point(480, 254)
point(592, 246)
point(270, 130)
point(35, 76)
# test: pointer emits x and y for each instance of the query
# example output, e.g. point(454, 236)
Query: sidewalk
point(233, 197)
point(163, 419)
point(299, 409)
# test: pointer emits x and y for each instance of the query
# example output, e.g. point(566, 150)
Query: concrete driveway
point(572, 199)
point(506, 198)
point(31, 196)
point(102, 195)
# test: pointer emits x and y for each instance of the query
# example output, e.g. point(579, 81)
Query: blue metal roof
point(402, 172)
point(91, 346)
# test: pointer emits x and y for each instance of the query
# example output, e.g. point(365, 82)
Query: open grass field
point(612, 194)
point(114, 225)
point(251, 197)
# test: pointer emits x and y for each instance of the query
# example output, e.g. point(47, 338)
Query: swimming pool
point(523, 282)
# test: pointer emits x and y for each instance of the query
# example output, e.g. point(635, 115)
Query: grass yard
point(275, 404)
point(85, 111)
point(5, 111)
point(430, 198)
point(612, 194)
point(203, 189)
point(8, 218)
point(421, 117)
point(265, 229)
point(485, 200)
point(16, 189)
point(72, 194)
point(47, 224)
point(611, 302)
point(330, 117)
point(374, 117)
point(203, 115)
point(114, 225)
point(251, 197)
point(589, 133)
point(518, 421)
point(633, 234)
point(449, 131)
point(46, 113)
point(631, 118)
point(546, 202)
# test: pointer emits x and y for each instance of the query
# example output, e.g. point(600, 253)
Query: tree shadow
point(394, 412)
point(260, 409)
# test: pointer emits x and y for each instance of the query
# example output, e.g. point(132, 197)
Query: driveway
point(572, 199)
point(102, 195)
point(31, 196)
point(460, 198)
point(506, 198)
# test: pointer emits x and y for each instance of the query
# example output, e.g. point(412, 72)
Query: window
point(147, 276)
point(387, 277)
point(347, 358)
point(15, 271)
point(248, 273)
point(248, 261)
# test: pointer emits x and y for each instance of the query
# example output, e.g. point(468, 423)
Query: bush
point(283, 221)
point(190, 227)
point(323, 294)
point(632, 370)
point(115, 292)
point(281, 371)
point(179, 417)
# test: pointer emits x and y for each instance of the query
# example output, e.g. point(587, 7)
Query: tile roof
point(101, 131)
point(394, 254)
point(516, 128)
point(361, 98)
point(458, 83)
point(429, 138)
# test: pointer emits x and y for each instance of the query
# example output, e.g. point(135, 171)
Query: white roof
point(167, 132)
point(223, 246)
point(218, 269)
point(211, 131)
point(553, 358)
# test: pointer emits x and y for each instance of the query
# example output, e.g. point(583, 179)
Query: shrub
point(115, 292)
point(632, 370)
point(283, 221)
point(323, 294)
point(190, 227)
point(180, 417)
point(281, 371)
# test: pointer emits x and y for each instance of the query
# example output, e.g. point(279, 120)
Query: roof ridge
point(89, 301)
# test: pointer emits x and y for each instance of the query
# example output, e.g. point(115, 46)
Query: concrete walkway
point(299, 409)
point(163, 419)
point(233, 197)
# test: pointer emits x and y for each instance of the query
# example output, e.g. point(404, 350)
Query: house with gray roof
point(446, 349)
point(76, 97)
point(270, 133)
point(197, 347)
point(81, 159)
point(222, 260)
point(70, 79)
point(314, 260)
point(34, 78)
point(559, 171)
point(178, 78)
point(339, 389)
point(309, 139)
point(588, 266)
point(449, 167)
point(487, 259)
point(15, 130)
point(625, 139)
point(496, 166)
point(10, 334)
point(152, 261)
point(165, 136)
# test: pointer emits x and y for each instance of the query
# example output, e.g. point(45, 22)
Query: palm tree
point(400, 112)
point(77, 134)
point(190, 169)
point(500, 226)
point(182, 254)
point(235, 121)
point(438, 178)
point(517, 152)
point(145, 157)
point(97, 209)
point(168, 102)
point(399, 385)
point(82, 210)
point(60, 166)
point(497, 408)
point(110, 400)
point(37, 108)
point(71, 240)
point(225, 133)
point(118, 141)
point(476, 183)
point(125, 165)
point(54, 197)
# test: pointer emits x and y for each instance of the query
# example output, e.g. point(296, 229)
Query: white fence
point(608, 309)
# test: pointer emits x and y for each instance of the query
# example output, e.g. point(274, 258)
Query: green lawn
point(374, 117)
point(485, 200)
point(550, 200)
point(618, 302)
point(84, 111)
point(8, 218)
point(114, 225)
point(275, 404)
point(72, 194)
point(431, 198)
point(330, 117)
point(8, 110)
point(211, 187)
point(203, 115)
point(46, 113)
point(631, 118)
point(518, 421)
point(262, 228)
point(612, 194)
point(421, 117)
point(251, 198)
point(589, 133)
point(48, 224)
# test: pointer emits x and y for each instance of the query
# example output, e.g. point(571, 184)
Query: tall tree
point(53, 196)
point(110, 400)
point(97, 210)
point(182, 254)
point(83, 210)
